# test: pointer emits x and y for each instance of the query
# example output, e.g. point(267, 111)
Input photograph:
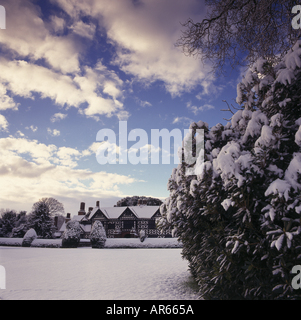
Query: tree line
point(41, 219)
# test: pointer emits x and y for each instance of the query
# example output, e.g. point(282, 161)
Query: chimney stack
point(82, 211)
point(56, 221)
point(97, 204)
point(68, 218)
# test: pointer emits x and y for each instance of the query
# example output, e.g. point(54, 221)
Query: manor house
point(119, 222)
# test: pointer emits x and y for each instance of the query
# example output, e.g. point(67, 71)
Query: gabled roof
point(113, 212)
point(144, 212)
point(141, 212)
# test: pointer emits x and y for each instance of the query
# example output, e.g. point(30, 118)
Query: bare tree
point(53, 206)
point(239, 32)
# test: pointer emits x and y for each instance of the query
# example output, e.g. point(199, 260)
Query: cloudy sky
point(69, 68)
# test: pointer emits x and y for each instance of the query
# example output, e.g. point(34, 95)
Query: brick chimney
point(68, 218)
point(82, 211)
point(97, 204)
point(56, 221)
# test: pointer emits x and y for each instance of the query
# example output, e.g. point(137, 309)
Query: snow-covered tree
point(40, 219)
point(8, 220)
point(29, 236)
point(239, 216)
point(71, 236)
point(98, 235)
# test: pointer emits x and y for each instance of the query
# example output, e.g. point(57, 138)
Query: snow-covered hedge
point(147, 243)
point(71, 236)
point(12, 242)
point(239, 217)
point(28, 238)
point(98, 235)
point(47, 243)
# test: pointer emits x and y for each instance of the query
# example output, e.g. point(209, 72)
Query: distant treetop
point(133, 201)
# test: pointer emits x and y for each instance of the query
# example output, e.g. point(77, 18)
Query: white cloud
point(61, 76)
point(28, 36)
point(83, 29)
point(184, 120)
point(64, 90)
point(144, 36)
point(32, 128)
point(54, 132)
point(3, 123)
point(196, 109)
point(30, 170)
point(58, 117)
point(6, 102)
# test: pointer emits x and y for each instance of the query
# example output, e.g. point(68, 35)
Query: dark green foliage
point(239, 218)
point(8, 220)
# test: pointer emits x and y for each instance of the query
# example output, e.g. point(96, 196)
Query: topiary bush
point(28, 238)
point(71, 236)
point(98, 235)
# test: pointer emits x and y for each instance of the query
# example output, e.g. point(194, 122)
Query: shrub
point(98, 235)
point(71, 236)
point(239, 216)
point(142, 235)
point(28, 238)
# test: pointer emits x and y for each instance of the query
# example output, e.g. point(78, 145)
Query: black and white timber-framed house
point(120, 222)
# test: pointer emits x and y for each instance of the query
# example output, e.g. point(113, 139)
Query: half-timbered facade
point(120, 222)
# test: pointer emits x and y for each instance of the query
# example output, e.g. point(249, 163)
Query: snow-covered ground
point(85, 273)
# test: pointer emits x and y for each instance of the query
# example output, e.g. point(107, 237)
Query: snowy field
point(85, 273)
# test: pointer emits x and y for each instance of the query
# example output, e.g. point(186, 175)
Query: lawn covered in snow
point(85, 273)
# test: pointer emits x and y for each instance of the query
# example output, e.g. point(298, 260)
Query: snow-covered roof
point(92, 213)
point(140, 211)
point(113, 212)
point(86, 227)
point(78, 218)
point(63, 227)
point(144, 212)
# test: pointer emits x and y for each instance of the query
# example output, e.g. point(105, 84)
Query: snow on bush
point(239, 217)
point(98, 235)
point(71, 236)
point(142, 235)
point(47, 243)
point(28, 238)
point(147, 243)
point(13, 242)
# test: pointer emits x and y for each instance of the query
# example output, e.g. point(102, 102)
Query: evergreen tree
point(8, 220)
point(239, 216)
point(40, 220)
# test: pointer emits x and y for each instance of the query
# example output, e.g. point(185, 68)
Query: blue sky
point(71, 68)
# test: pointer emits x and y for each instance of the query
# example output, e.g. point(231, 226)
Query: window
point(111, 226)
point(128, 224)
point(152, 224)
